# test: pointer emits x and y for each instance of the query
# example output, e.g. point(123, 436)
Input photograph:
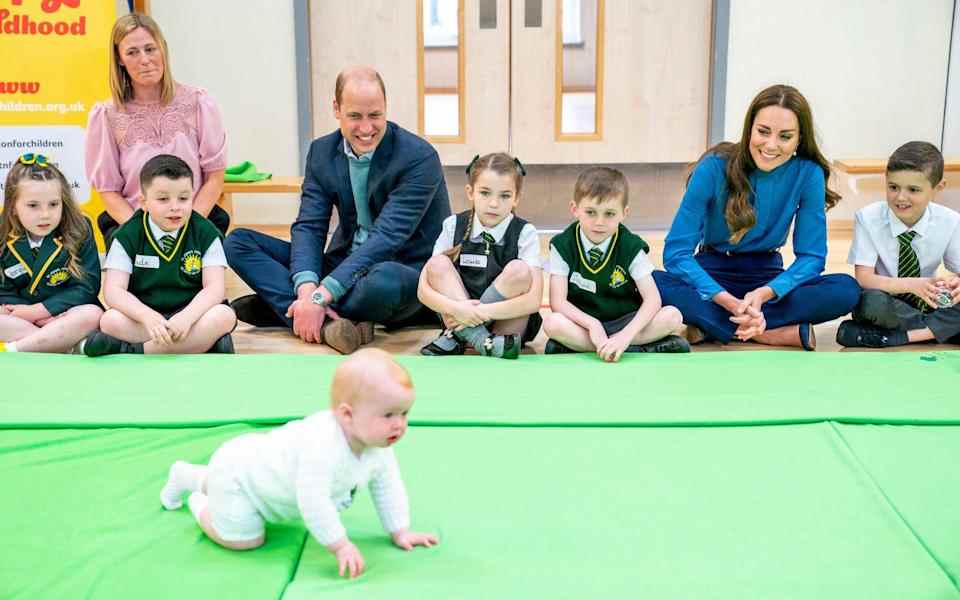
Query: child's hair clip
point(520, 166)
point(34, 159)
point(476, 157)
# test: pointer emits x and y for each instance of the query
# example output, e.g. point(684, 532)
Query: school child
point(602, 293)
point(310, 469)
point(485, 275)
point(49, 268)
point(898, 246)
point(165, 274)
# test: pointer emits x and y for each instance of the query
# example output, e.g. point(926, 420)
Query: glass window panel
point(441, 67)
point(580, 36)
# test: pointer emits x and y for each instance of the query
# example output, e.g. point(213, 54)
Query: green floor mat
point(700, 513)
point(82, 519)
point(918, 470)
point(712, 388)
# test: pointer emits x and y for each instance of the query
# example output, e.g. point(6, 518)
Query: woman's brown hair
point(121, 86)
point(73, 230)
point(739, 214)
point(500, 163)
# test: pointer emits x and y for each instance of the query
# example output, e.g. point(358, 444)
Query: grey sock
point(491, 295)
point(477, 337)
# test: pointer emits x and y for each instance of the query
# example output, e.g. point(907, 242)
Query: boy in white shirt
point(311, 468)
point(898, 246)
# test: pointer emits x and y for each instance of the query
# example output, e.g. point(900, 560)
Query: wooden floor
point(250, 340)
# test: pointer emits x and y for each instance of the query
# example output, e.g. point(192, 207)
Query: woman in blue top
point(738, 207)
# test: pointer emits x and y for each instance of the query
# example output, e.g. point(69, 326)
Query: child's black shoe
point(446, 344)
point(858, 335)
point(555, 347)
point(101, 344)
point(672, 344)
point(224, 345)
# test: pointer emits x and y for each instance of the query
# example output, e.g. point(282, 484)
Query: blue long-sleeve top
point(792, 193)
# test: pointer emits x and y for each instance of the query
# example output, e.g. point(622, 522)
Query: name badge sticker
point(15, 271)
point(473, 260)
point(583, 283)
point(147, 262)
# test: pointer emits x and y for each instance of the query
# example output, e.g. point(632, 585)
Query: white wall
point(243, 53)
point(951, 125)
point(874, 72)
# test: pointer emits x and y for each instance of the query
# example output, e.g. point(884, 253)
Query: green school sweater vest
point(166, 283)
point(607, 291)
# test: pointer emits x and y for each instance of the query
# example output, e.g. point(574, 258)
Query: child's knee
point(223, 317)
point(90, 316)
point(438, 265)
point(517, 274)
point(553, 324)
point(672, 317)
point(112, 322)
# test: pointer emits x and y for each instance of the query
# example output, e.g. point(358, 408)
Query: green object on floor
point(917, 469)
point(679, 513)
point(244, 172)
point(82, 519)
point(715, 388)
point(699, 513)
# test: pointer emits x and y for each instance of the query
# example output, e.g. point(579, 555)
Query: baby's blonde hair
point(358, 375)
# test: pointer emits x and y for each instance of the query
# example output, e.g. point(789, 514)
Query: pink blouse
point(118, 143)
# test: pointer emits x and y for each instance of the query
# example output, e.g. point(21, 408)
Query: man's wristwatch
point(318, 298)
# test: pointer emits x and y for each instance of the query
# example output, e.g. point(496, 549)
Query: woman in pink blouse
point(151, 114)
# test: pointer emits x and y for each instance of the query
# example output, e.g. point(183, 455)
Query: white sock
point(183, 477)
point(197, 502)
point(11, 346)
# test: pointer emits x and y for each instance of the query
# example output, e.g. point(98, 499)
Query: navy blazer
point(408, 203)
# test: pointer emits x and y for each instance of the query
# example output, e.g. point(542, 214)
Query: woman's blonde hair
point(73, 230)
point(121, 86)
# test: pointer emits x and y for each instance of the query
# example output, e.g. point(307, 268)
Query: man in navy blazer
point(388, 189)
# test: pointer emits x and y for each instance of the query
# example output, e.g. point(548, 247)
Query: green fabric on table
point(82, 519)
point(699, 513)
point(244, 172)
point(712, 388)
point(917, 468)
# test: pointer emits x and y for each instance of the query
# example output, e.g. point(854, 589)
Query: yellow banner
point(54, 68)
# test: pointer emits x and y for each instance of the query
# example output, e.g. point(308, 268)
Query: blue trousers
point(822, 299)
point(386, 294)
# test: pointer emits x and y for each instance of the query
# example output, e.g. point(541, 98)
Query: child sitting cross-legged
point(898, 246)
point(602, 293)
point(164, 279)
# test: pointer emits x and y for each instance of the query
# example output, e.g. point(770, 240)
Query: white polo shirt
point(875, 239)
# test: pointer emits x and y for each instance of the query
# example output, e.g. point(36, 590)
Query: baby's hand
point(408, 539)
point(349, 559)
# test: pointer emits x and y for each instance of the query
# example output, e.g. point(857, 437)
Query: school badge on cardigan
point(57, 277)
point(191, 263)
point(618, 277)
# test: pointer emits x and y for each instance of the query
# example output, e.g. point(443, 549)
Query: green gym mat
point(699, 513)
point(82, 519)
point(710, 388)
point(918, 471)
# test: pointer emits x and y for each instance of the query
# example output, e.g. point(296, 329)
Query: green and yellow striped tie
point(167, 242)
point(908, 265)
point(35, 251)
point(594, 255)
